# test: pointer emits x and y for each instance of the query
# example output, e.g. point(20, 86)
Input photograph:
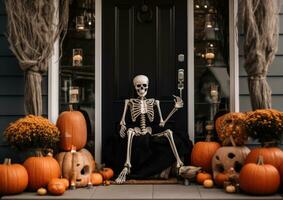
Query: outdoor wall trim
point(53, 79)
point(190, 71)
point(234, 56)
point(98, 80)
point(233, 62)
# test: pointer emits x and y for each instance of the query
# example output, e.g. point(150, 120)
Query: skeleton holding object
point(144, 109)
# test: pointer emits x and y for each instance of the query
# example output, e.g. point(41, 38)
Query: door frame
point(53, 72)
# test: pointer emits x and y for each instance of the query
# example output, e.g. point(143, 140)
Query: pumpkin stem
point(7, 161)
point(232, 141)
point(49, 152)
point(260, 160)
point(38, 153)
point(71, 107)
point(270, 143)
point(209, 128)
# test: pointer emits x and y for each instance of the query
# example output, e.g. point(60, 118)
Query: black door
point(141, 37)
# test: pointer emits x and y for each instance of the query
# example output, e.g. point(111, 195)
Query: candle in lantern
point(80, 23)
point(74, 94)
point(209, 55)
point(77, 57)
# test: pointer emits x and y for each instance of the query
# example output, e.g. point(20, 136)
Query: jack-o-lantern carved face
point(81, 170)
point(76, 166)
point(226, 158)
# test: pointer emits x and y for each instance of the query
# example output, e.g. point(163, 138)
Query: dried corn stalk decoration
point(33, 28)
point(260, 18)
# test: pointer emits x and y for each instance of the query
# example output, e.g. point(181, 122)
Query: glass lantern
point(77, 57)
point(80, 23)
point(209, 28)
point(210, 54)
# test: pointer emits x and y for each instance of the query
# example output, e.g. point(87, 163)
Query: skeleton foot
point(188, 172)
point(122, 176)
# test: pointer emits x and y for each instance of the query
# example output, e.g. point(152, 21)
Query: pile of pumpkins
point(73, 167)
point(257, 171)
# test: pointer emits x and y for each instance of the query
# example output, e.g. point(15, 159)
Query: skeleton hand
point(162, 124)
point(178, 102)
point(123, 131)
point(122, 123)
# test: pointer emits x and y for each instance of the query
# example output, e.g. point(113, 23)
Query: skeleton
point(144, 108)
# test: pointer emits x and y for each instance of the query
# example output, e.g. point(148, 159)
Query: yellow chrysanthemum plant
point(32, 132)
point(264, 125)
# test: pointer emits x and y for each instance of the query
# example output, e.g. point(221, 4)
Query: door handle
point(181, 78)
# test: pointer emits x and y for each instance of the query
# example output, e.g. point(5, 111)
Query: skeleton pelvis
point(139, 131)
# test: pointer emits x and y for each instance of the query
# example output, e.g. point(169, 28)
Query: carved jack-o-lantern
point(76, 166)
point(226, 158)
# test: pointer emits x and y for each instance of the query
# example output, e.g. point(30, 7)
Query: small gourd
point(107, 173)
point(41, 191)
point(208, 183)
point(202, 176)
point(96, 179)
point(56, 187)
point(230, 189)
point(220, 178)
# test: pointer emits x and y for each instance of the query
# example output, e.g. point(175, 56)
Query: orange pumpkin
point(13, 178)
point(56, 187)
point(202, 154)
point(271, 155)
point(281, 173)
point(73, 129)
point(220, 178)
point(260, 178)
point(63, 180)
point(107, 173)
point(202, 176)
point(41, 170)
point(96, 179)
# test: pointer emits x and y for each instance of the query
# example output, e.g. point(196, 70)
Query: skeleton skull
point(141, 85)
point(226, 158)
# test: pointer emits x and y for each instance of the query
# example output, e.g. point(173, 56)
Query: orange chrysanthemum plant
point(32, 132)
point(233, 127)
point(265, 125)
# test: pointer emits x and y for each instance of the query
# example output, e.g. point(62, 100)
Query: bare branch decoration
point(32, 32)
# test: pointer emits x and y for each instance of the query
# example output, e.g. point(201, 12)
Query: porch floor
point(141, 192)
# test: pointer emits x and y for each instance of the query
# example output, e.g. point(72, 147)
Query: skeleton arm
point(178, 104)
point(122, 122)
point(157, 103)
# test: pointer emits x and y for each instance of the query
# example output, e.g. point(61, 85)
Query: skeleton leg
point(127, 166)
point(169, 135)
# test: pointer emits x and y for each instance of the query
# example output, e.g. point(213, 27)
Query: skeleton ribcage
point(139, 107)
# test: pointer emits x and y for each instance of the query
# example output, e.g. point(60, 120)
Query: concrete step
point(144, 192)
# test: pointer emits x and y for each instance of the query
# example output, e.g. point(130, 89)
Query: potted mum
point(232, 130)
point(32, 132)
point(265, 125)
